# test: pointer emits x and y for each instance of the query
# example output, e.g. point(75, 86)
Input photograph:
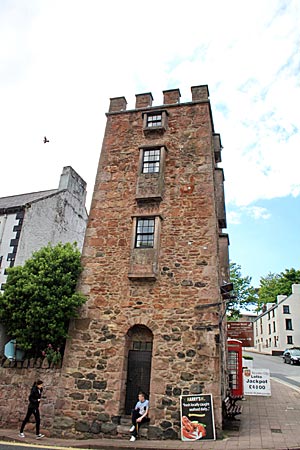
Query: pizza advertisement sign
point(197, 417)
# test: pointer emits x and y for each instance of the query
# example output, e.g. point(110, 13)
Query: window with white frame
point(154, 120)
point(151, 160)
point(286, 309)
point(145, 228)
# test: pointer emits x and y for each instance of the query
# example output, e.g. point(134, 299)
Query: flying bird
point(45, 140)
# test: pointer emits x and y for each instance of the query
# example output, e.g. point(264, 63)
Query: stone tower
point(154, 259)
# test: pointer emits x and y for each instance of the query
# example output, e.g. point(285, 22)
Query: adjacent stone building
point(155, 256)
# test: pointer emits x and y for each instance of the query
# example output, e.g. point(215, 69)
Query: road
point(286, 372)
point(17, 446)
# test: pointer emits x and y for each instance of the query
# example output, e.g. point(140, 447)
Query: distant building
point(247, 317)
point(278, 328)
point(29, 222)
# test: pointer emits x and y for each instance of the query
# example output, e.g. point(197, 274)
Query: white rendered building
point(31, 221)
point(278, 327)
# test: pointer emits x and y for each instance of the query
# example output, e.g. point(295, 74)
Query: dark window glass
point(151, 159)
point(269, 328)
point(144, 233)
point(289, 339)
point(274, 327)
point(154, 120)
point(142, 346)
point(286, 309)
point(288, 324)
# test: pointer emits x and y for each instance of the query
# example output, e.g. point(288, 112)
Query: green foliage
point(248, 357)
point(52, 354)
point(277, 284)
point(245, 294)
point(40, 298)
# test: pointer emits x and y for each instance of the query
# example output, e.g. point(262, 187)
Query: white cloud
point(257, 212)
point(235, 217)
point(63, 60)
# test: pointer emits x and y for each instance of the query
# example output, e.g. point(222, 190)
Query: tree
point(277, 284)
point(244, 294)
point(40, 298)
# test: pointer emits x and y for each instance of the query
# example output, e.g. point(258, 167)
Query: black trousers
point(134, 417)
point(35, 411)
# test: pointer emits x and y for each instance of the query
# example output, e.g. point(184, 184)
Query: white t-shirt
point(142, 406)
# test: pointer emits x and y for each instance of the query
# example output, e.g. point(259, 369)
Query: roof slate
point(16, 201)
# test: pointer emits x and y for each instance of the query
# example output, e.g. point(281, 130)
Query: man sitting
point(139, 415)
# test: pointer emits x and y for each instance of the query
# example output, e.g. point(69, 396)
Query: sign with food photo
point(197, 417)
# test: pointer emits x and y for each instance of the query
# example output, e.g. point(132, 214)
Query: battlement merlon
point(170, 97)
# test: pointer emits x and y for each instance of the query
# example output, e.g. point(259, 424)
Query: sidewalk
point(265, 423)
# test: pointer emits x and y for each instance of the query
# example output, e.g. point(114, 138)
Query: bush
point(40, 298)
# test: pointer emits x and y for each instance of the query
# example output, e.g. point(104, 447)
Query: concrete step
point(123, 430)
point(126, 421)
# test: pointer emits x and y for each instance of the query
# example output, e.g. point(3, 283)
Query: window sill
point(151, 130)
point(142, 276)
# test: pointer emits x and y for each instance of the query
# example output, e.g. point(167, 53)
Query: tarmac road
point(17, 446)
point(288, 373)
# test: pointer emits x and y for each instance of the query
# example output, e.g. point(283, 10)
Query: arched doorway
point(139, 341)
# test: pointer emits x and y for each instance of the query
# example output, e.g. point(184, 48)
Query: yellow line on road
point(31, 444)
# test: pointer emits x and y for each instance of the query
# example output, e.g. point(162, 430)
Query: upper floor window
point(269, 315)
point(269, 328)
point(274, 327)
point(286, 309)
point(151, 161)
point(288, 324)
point(154, 120)
point(289, 339)
point(145, 233)
point(273, 313)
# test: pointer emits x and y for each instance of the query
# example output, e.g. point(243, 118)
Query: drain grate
point(276, 430)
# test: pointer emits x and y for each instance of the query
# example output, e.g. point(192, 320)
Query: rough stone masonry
point(154, 258)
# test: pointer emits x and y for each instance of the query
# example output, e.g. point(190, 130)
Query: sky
point(61, 61)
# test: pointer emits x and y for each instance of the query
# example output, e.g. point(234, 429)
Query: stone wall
point(16, 380)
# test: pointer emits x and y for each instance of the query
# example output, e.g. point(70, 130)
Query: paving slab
point(265, 423)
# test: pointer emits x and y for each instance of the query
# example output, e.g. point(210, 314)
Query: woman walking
point(33, 408)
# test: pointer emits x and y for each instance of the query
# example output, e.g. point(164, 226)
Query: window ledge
point(142, 276)
point(150, 130)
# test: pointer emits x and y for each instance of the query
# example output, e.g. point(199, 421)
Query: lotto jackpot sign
point(257, 382)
